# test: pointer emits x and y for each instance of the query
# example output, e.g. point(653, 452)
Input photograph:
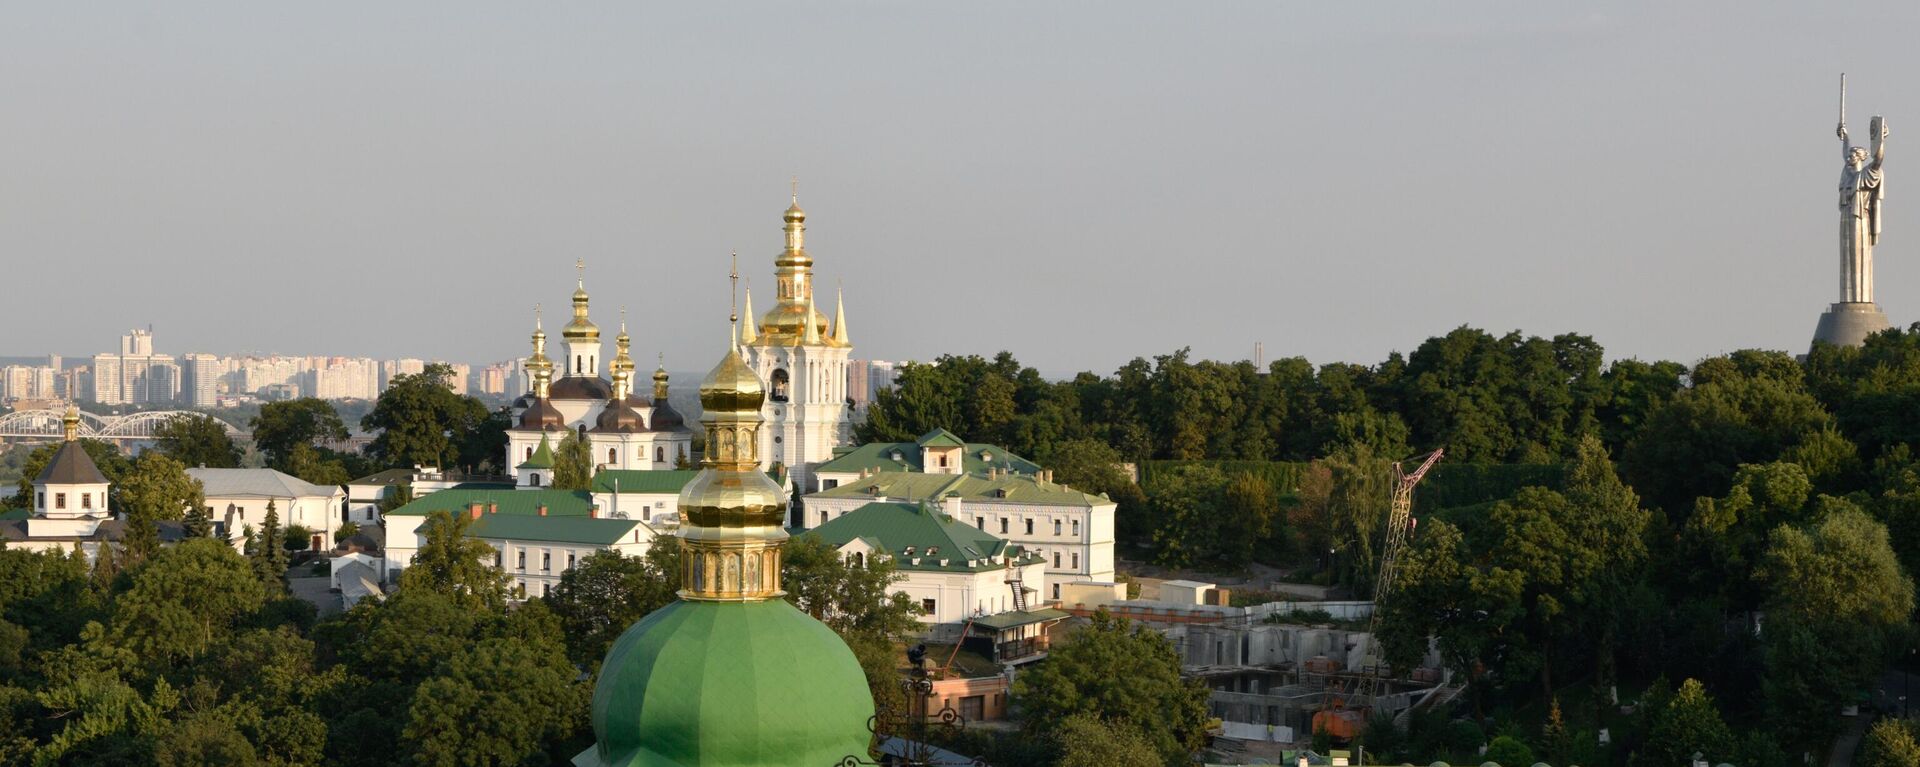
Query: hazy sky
point(1079, 183)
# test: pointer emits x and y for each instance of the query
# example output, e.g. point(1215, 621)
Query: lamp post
point(915, 751)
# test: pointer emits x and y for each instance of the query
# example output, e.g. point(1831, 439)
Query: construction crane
point(1399, 526)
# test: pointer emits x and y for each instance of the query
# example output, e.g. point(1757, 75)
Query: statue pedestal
point(1849, 324)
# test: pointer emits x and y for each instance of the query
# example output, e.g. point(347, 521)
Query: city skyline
point(1335, 183)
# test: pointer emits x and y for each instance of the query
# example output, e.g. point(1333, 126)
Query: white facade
point(803, 360)
point(1076, 541)
point(533, 567)
point(952, 597)
point(240, 497)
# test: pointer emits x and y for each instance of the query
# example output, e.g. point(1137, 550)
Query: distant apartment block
point(135, 375)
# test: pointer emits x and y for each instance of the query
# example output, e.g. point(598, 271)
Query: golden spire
point(747, 336)
point(735, 515)
point(538, 366)
point(581, 328)
point(660, 379)
point(733, 302)
point(810, 335)
point(70, 423)
point(839, 319)
point(622, 361)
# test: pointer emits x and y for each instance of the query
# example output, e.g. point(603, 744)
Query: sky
point(1077, 183)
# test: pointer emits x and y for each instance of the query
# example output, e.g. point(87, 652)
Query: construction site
point(1282, 671)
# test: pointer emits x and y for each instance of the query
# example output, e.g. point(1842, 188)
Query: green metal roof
point(542, 457)
point(1015, 619)
point(642, 481)
point(754, 684)
point(526, 503)
point(878, 456)
point(933, 536)
point(941, 438)
point(591, 530)
point(16, 514)
point(915, 487)
point(516, 515)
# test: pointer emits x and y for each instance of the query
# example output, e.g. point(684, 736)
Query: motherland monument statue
point(1862, 196)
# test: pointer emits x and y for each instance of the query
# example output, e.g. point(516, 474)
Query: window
point(1076, 560)
point(1056, 560)
point(926, 605)
point(829, 484)
point(613, 455)
point(569, 560)
point(496, 559)
point(660, 455)
point(86, 500)
point(980, 522)
point(780, 380)
point(545, 589)
point(943, 460)
point(59, 500)
point(523, 559)
point(1076, 528)
point(40, 500)
point(546, 561)
point(529, 453)
point(1056, 591)
point(1056, 527)
point(533, 480)
point(1029, 527)
point(1003, 525)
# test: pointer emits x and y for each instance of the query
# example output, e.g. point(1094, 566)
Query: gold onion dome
point(731, 388)
point(787, 323)
point(580, 328)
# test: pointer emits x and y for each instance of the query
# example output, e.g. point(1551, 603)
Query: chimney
point(493, 508)
point(543, 509)
point(473, 511)
point(952, 503)
point(593, 512)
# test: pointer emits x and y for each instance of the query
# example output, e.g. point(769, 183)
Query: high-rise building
point(493, 379)
point(136, 375)
point(200, 379)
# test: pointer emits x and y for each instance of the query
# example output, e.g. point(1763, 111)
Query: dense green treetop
point(197, 440)
point(422, 422)
point(1119, 673)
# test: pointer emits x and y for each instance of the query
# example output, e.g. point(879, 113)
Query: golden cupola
point(734, 515)
point(581, 328)
point(622, 361)
point(787, 323)
point(539, 368)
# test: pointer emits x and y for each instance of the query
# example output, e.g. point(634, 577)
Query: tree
point(1691, 446)
point(159, 489)
point(267, 552)
point(851, 599)
point(282, 426)
point(573, 463)
point(1184, 503)
point(316, 465)
point(1084, 740)
point(1248, 513)
point(184, 601)
point(1508, 751)
point(1687, 723)
point(500, 703)
point(1891, 743)
point(423, 422)
point(604, 593)
point(1837, 595)
point(456, 565)
point(1117, 672)
point(197, 440)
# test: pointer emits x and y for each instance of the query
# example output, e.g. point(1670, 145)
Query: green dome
point(729, 683)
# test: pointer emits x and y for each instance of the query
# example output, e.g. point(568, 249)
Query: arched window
point(613, 454)
point(533, 479)
point(780, 385)
point(578, 363)
point(529, 452)
point(659, 455)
